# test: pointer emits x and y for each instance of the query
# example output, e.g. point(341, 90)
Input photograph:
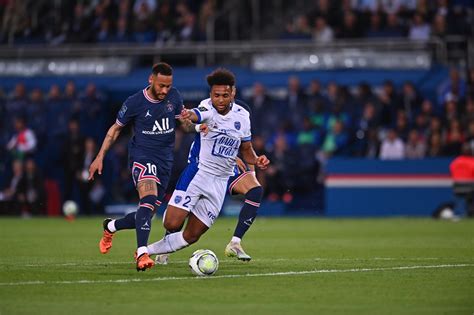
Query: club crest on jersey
point(178, 199)
point(169, 107)
point(237, 125)
point(136, 172)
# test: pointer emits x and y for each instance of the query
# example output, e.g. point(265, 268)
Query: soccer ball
point(70, 208)
point(203, 262)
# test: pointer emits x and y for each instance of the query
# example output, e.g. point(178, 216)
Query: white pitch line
point(95, 263)
point(269, 274)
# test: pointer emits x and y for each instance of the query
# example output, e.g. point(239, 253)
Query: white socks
point(235, 239)
point(170, 243)
point(111, 226)
point(141, 250)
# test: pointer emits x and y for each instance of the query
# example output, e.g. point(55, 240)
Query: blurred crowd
point(52, 136)
point(414, 19)
point(177, 21)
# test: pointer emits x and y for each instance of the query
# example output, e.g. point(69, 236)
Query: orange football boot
point(105, 243)
point(144, 262)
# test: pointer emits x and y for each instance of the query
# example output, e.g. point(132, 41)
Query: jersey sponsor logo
point(224, 146)
point(147, 114)
point(165, 125)
point(202, 109)
point(237, 125)
point(178, 199)
point(122, 111)
point(160, 128)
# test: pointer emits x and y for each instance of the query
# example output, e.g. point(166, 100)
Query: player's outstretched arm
point(189, 114)
point(110, 137)
point(188, 126)
point(250, 157)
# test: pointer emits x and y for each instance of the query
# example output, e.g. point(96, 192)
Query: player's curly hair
point(162, 68)
point(221, 76)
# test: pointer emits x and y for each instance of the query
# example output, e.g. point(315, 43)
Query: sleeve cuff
point(245, 139)
point(118, 122)
point(198, 114)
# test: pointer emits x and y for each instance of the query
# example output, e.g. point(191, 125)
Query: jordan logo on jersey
point(160, 128)
point(147, 114)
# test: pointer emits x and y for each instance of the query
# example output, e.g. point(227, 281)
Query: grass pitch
point(299, 266)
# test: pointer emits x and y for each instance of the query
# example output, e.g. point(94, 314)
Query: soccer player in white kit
point(200, 192)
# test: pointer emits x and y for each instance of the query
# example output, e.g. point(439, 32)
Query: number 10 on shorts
point(151, 168)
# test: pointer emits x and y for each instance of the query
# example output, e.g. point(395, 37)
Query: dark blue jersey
point(245, 106)
point(154, 124)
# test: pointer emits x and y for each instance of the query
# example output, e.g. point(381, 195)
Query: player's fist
point(186, 114)
point(262, 162)
point(204, 129)
point(241, 165)
point(96, 166)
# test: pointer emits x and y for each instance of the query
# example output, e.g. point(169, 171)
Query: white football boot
point(162, 259)
point(234, 249)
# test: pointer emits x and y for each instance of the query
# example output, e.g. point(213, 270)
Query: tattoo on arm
point(187, 125)
point(110, 137)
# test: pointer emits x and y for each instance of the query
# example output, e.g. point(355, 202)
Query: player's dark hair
point(221, 76)
point(162, 68)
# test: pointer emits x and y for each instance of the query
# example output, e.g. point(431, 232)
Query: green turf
point(354, 268)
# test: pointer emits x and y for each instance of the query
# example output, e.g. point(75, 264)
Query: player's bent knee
point(149, 202)
point(172, 225)
point(174, 218)
point(255, 194)
point(190, 237)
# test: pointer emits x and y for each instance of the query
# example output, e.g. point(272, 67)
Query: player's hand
point(185, 114)
point(262, 162)
point(204, 128)
point(241, 165)
point(96, 166)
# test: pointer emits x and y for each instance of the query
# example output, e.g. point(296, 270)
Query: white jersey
point(217, 151)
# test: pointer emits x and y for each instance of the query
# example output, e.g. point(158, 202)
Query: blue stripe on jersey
point(187, 176)
point(247, 138)
point(198, 114)
point(193, 157)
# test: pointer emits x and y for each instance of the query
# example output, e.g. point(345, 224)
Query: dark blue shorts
point(149, 168)
point(234, 179)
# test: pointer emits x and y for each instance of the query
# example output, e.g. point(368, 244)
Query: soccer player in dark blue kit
point(153, 112)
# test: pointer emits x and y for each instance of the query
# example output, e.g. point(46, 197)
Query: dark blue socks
point(249, 211)
point(127, 222)
point(143, 219)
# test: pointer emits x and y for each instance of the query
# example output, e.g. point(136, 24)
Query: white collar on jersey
point(149, 98)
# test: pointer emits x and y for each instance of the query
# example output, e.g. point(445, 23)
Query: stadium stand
point(318, 114)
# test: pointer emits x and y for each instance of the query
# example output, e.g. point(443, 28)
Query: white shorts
point(204, 197)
